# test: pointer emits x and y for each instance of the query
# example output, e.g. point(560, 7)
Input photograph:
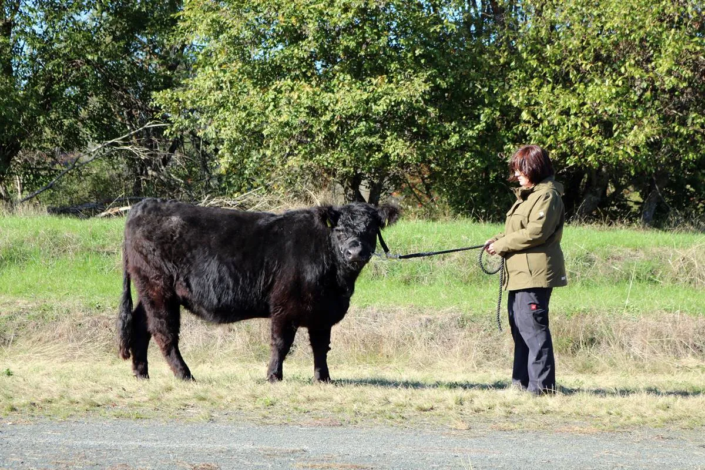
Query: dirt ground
point(148, 444)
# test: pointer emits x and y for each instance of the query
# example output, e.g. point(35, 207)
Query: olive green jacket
point(531, 243)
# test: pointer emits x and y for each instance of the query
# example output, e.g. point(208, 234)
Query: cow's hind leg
point(283, 334)
point(320, 343)
point(140, 342)
point(164, 324)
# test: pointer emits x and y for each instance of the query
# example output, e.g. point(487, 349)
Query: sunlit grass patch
point(388, 395)
point(400, 367)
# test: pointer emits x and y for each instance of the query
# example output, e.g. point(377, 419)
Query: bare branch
point(96, 154)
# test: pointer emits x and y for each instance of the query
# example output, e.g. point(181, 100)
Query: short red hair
point(533, 161)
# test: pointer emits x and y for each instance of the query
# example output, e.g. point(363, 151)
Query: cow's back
point(223, 265)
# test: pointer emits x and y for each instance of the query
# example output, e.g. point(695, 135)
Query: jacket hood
point(545, 185)
point(551, 183)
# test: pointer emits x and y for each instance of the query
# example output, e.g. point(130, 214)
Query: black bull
point(297, 268)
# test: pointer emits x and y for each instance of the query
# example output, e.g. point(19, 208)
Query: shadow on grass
point(414, 384)
point(624, 392)
point(502, 385)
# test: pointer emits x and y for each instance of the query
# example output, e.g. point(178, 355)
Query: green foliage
point(615, 83)
point(80, 72)
point(351, 90)
point(615, 86)
point(424, 98)
point(102, 180)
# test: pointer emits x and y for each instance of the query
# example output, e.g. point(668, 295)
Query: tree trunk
point(8, 10)
point(7, 153)
point(352, 189)
point(595, 192)
point(497, 13)
point(572, 181)
point(651, 202)
point(376, 190)
point(9, 147)
point(139, 171)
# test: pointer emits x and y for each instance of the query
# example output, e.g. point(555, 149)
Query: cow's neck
point(347, 276)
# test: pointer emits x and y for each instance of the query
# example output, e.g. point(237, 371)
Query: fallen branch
point(97, 208)
point(114, 211)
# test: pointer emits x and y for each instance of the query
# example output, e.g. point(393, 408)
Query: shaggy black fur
point(298, 268)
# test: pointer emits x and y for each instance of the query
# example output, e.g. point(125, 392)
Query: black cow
point(297, 268)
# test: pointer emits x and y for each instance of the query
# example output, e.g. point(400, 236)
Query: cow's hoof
point(142, 376)
point(274, 378)
point(325, 380)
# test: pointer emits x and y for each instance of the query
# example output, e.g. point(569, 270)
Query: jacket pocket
point(539, 264)
point(515, 222)
point(528, 265)
point(517, 265)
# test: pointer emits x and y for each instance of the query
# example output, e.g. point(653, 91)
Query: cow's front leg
point(320, 343)
point(283, 334)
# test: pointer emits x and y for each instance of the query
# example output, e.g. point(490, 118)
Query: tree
point(82, 71)
point(361, 92)
point(41, 80)
point(614, 90)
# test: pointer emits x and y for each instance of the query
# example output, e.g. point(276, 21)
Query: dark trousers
point(534, 364)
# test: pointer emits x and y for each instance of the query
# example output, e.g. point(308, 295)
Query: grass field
point(419, 344)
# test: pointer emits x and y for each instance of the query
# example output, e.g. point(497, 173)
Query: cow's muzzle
point(356, 253)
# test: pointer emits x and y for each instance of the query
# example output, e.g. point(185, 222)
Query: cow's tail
point(124, 320)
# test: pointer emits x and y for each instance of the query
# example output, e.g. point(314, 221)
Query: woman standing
point(534, 265)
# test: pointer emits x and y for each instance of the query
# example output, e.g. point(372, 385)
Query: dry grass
point(370, 336)
point(27, 210)
point(40, 386)
point(275, 200)
point(655, 265)
point(390, 366)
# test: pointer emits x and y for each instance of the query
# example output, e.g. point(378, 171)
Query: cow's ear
point(388, 214)
point(329, 216)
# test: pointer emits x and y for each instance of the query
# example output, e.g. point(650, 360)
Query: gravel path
point(124, 445)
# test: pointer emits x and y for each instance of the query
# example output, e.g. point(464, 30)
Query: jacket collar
point(550, 182)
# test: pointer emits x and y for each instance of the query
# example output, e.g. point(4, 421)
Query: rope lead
point(500, 268)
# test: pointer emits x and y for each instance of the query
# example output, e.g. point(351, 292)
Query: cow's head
point(354, 229)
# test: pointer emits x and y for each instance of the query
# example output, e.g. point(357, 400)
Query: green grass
point(615, 270)
point(44, 257)
point(482, 299)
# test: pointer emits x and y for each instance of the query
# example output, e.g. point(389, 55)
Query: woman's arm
point(543, 220)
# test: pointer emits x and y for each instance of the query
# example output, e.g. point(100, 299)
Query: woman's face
point(523, 180)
